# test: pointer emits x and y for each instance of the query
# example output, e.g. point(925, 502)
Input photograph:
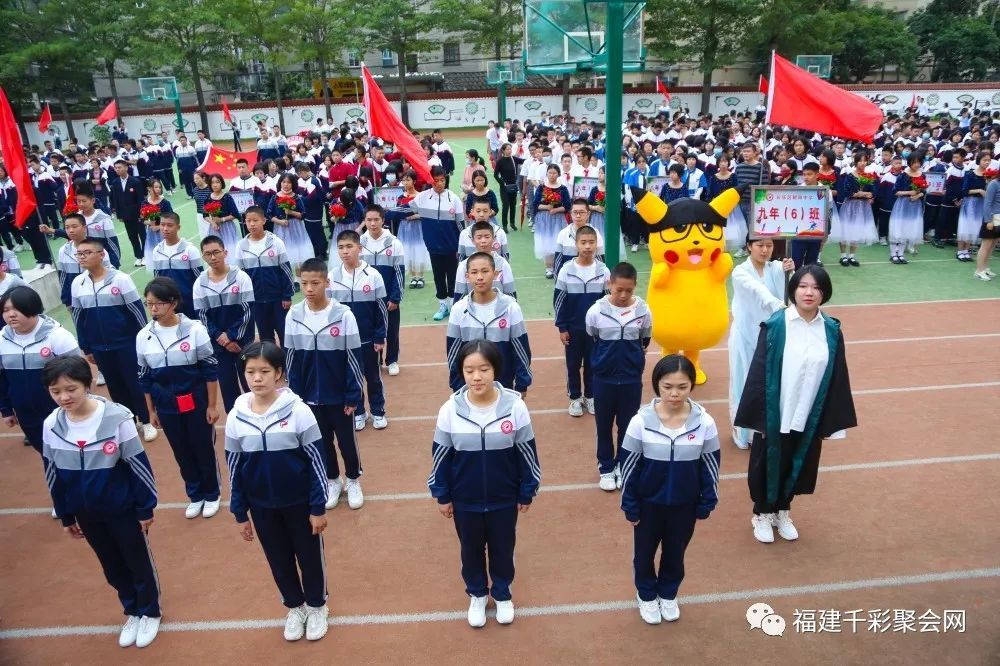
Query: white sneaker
point(334, 488)
point(380, 422)
point(393, 369)
point(983, 275)
point(211, 508)
point(138, 263)
point(575, 408)
point(355, 498)
point(148, 432)
point(148, 628)
point(608, 482)
point(193, 510)
point(737, 442)
point(54, 514)
point(762, 529)
point(618, 477)
point(670, 610)
point(316, 624)
point(589, 404)
point(989, 272)
point(649, 611)
point(129, 631)
point(549, 274)
point(477, 611)
point(39, 266)
point(505, 612)
point(359, 422)
point(100, 379)
point(635, 248)
point(295, 623)
point(783, 521)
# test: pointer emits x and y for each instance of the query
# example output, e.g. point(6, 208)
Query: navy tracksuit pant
point(231, 381)
point(578, 353)
point(805, 252)
point(614, 405)
point(192, 439)
point(270, 320)
point(492, 532)
point(317, 236)
point(120, 368)
point(373, 381)
point(334, 423)
point(392, 338)
point(290, 548)
point(669, 528)
point(123, 551)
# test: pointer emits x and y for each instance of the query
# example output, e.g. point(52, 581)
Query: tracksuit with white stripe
point(385, 254)
point(226, 307)
point(618, 359)
point(503, 282)
point(501, 322)
point(175, 366)
point(323, 351)
point(100, 479)
point(364, 292)
point(182, 264)
point(467, 247)
point(577, 288)
point(108, 315)
point(485, 464)
point(670, 479)
point(278, 478)
point(266, 262)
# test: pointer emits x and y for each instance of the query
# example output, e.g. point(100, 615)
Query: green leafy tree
point(964, 50)
point(323, 29)
point(262, 28)
point(873, 37)
point(794, 27)
point(492, 27)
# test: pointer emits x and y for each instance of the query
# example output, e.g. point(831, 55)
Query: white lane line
point(529, 611)
point(571, 487)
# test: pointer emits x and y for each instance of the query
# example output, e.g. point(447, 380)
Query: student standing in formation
point(323, 347)
point(485, 314)
point(970, 213)
point(383, 251)
point(481, 211)
point(103, 490)
point(581, 283)
point(856, 221)
point(482, 236)
point(550, 205)
point(441, 221)
point(67, 265)
point(187, 163)
point(805, 251)
point(361, 288)
point(221, 212)
point(670, 480)
point(278, 478)
point(954, 180)
point(127, 195)
point(621, 326)
point(410, 232)
point(990, 229)
point(223, 298)
point(906, 222)
point(262, 255)
point(484, 488)
point(177, 259)
point(285, 211)
point(885, 198)
point(579, 216)
point(179, 377)
point(313, 197)
point(98, 223)
point(201, 146)
point(108, 314)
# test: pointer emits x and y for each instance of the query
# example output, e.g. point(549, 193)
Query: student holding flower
point(906, 222)
point(285, 211)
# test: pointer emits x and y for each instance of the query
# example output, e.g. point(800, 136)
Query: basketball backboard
point(510, 72)
point(817, 65)
point(156, 88)
point(565, 36)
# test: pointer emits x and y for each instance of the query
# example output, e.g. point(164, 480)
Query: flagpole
point(770, 90)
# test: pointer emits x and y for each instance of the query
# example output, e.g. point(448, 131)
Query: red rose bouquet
point(918, 184)
point(826, 179)
point(338, 210)
point(551, 197)
point(150, 213)
point(990, 174)
point(213, 208)
point(865, 179)
point(286, 202)
point(599, 198)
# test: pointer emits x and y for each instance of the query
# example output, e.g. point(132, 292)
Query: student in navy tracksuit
point(103, 490)
point(383, 251)
point(325, 369)
point(313, 201)
point(670, 476)
point(278, 478)
point(621, 326)
point(442, 218)
point(361, 288)
point(582, 281)
point(178, 375)
point(485, 470)
point(264, 258)
point(177, 259)
point(108, 314)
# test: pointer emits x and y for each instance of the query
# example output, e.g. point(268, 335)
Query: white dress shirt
point(804, 361)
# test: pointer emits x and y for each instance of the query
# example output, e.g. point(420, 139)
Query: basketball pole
point(613, 131)
point(501, 102)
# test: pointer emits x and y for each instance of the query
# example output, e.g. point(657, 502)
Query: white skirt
point(202, 225)
point(153, 238)
point(597, 221)
point(296, 240)
point(906, 221)
point(229, 234)
point(415, 256)
point(736, 230)
point(856, 224)
point(547, 227)
point(970, 219)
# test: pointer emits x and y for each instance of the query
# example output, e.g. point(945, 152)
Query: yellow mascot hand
point(722, 267)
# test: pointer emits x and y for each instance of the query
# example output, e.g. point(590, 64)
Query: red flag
point(70, 205)
point(913, 102)
point(15, 163)
point(228, 117)
point(762, 85)
point(109, 113)
point(798, 99)
point(662, 89)
point(223, 162)
point(386, 125)
point(45, 120)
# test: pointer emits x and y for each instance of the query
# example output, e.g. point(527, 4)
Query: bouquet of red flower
point(551, 197)
point(150, 213)
point(865, 179)
point(990, 174)
point(826, 179)
point(338, 210)
point(286, 203)
point(599, 198)
point(918, 184)
point(213, 208)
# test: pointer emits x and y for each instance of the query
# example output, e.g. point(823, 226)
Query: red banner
point(386, 125)
point(223, 162)
point(15, 163)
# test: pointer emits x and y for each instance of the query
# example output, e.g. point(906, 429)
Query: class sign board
point(935, 182)
point(789, 211)
point(582, 187)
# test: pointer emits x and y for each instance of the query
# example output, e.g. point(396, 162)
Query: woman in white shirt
point(797, 393)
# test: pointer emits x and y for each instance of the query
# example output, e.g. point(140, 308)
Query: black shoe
point(819, 263)
point(894, 259)
point(938, 244)
point(844, 262)
point(902, 260)
point(854, 262)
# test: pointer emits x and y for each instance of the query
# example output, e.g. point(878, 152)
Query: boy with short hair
point(264, 258)
point(324, 369)
point(383, 251)
point(621, 326)
point(580, 284)
point(361, 288)
point(177, 259)
point(805, 251)
point(482, 212)
point(579, 213)
point(503, 282)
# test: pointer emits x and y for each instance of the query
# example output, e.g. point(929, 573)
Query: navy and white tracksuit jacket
point(324, 364)
point(108, 314)
point(225, 307)
point(620, 341)
point(503, 282)
point(503, 325)
point(467, 247)
point(442, 219)
point(574, 294)
point(364, 292)
point(170, 367)
point(386, 256)
point(270, 270)
point(68, 269)
point(182, 264)
point(566, 247)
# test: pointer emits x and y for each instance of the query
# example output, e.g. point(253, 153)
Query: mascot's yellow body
point(687, 288)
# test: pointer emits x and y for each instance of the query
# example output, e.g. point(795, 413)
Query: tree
point(323, 29)
point(964, 50)
point(794, 27)
point(492, 27)
point(709, 31)
point(873, 38)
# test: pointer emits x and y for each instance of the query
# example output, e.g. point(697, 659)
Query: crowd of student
point(297, 381)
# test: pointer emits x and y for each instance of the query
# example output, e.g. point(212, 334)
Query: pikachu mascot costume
point(687, 288)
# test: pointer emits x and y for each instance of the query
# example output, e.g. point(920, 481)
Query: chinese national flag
point(109, 113)
point(662, 89)
point(45, 120)
point(798, 99)
point(223, 162)
point(762, 85)
point(15, 163)
point(386, 125)
point(228, 117)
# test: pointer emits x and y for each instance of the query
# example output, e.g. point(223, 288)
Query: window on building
point(411, 62)
point(452, 54)
point(388, 58)
point(353, 59)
